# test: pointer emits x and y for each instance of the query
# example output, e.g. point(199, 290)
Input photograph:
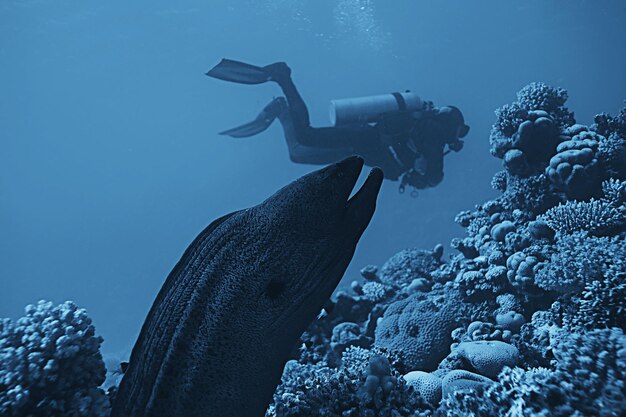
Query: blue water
point(109, 159)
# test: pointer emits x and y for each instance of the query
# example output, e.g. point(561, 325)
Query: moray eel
point(221, 329)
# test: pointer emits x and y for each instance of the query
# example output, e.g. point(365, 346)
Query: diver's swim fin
point(249, 129)
point(262, 121)
point(242, 73)
point(239, 72)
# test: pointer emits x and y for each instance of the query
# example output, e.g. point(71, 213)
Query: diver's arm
point(431, 154)
point(434, 166)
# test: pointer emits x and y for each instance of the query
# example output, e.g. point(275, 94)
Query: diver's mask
point(462, 131)
point(454, 118)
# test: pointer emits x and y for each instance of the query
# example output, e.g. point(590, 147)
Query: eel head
point(309, 230)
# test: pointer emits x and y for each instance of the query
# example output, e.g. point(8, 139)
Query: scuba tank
point(370, 109)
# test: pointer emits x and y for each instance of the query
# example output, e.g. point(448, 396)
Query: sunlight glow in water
point(356, 19)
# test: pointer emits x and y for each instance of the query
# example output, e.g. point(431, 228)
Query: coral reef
point(50, 364)
point(488, 357)
point(418, 329)
point(528, 129)
point(587, 379)
point(409, 264)
point(595, 217)
point(527, 318)
point(427, 385)
point(459, 380)
point(363, 385)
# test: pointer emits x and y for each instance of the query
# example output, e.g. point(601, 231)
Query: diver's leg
point(332, 137)
point(329, 144)
point(281, 74)
point(261, 122)
point(326, 144)
point(305, 154)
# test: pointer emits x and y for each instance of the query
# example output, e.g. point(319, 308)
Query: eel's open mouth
point(369, 190)
point(360, 207)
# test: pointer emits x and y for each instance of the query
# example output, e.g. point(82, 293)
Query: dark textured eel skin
point(221, 329)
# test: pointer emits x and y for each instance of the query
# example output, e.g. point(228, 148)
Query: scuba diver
point(398, 132)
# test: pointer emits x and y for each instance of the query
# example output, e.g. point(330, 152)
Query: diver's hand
point(456, 146)
point(414, 179)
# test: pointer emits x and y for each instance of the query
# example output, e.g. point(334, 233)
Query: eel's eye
point(275, 288)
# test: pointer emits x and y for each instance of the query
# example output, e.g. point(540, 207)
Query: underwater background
point(110, 161)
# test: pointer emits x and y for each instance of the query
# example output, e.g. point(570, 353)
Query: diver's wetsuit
point(403, 144)
point(378, 146)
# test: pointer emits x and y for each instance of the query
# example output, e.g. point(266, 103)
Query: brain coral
point(50, 364)
point(428, 385)
point(488, 357)
point(459, 380)
point(419, 330)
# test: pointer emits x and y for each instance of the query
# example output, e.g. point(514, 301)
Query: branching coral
point(580, 259)
point(476, 285)
point(612, 155)
point(532, 196)
point(601, 304)
point(50, 364)
point(508, 119)
point(606, 124)
point(499, 181)
point(540, 96)
point(534, 343)
point(374, 291)
point(596, 217)
point(614, 191)
point(365, 385)
point(406, 265)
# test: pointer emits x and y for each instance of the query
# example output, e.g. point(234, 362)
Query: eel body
point(222, 327)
